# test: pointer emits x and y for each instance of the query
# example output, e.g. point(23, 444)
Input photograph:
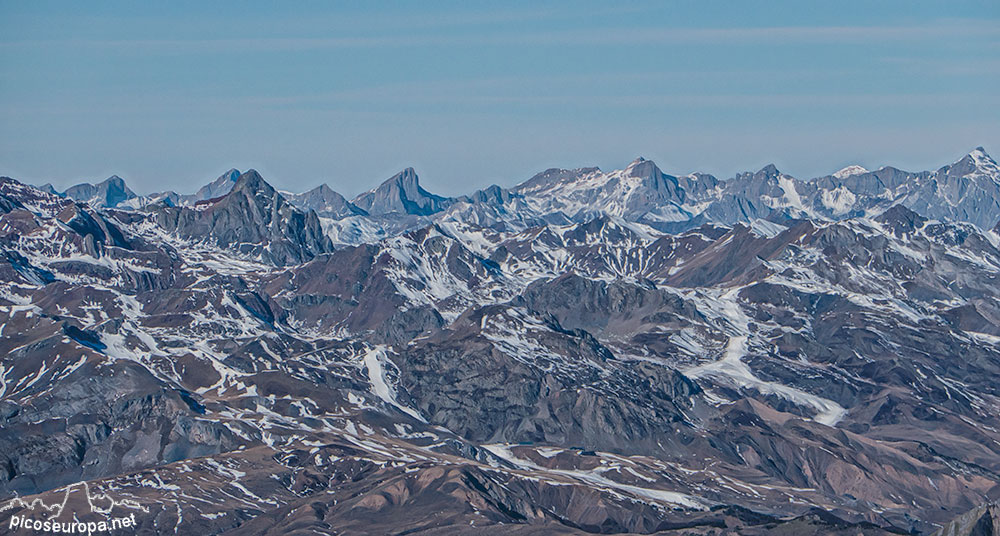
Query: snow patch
point(849, 171)
point(380, 387)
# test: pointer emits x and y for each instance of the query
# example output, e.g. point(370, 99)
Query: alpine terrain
point(588, 351)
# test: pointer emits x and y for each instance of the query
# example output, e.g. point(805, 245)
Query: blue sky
point(171, 94)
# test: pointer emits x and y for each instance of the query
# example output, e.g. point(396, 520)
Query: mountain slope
point(217, 188)
point(253, 219)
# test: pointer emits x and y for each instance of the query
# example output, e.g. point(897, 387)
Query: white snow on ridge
point(352, 230)
point(766, 229)
point(849, 171)
point(839, 200)
point(380, 387)
point(984, 164)
point(791, 193)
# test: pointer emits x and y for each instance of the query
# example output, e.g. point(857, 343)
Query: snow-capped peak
point(979, 154)
point(849, 171)
point(982, 160)
point(975, 164)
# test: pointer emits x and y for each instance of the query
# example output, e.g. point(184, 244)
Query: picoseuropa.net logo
point(39, 517)
point(71, 527)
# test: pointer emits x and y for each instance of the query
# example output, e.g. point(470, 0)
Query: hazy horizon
point(366, 186)
point(170, 96)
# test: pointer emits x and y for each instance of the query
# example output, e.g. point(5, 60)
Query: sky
point(169, 95)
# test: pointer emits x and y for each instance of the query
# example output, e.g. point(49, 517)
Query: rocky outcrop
point(106, 194)
point(326, 203)
point(252, 219)
point(401, 194)
point(981, 521)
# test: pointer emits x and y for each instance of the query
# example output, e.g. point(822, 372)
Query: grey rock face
point(213, 190)
point(106, 194)
point(326, 203)
point(518, 400)
point(401, 194)
point(217, 188)
point(968, 190)
point(981, 521)
point(70, 434)
point(49, 189)
point(253, 219)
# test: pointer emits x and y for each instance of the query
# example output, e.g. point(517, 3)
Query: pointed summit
point(406, 178)
point(977, 163)
point(48, 188)
point(217, 188)
point(770, 170)
point(326, 202)
point(658, 187)
point(981, 158)
point(977, 156)
point(640, 167)
point(105, 194)
point(901, 220)
point(401, 193)
point(252, 182)
point(253, 219)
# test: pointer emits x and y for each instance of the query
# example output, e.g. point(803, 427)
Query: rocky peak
point(252, 182)
point(755, 184)
point(219, 187)
point(48, 188)
point(769, 170)
point(253, 219)
point(554, 176)
point(491, 195)
point(401, 193)
point(105, 194)
point(901, 220)
point(979, 162)
point(981, 157)
point(406, 179)
point(323, 190)
point(326, 202)
point(642, 168)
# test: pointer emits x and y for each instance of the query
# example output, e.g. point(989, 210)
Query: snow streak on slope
point(503, 452)
point(373, 361)
point(731, 368)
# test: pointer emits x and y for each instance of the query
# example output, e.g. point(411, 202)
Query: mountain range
point(964, 191)
point(585, 352)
